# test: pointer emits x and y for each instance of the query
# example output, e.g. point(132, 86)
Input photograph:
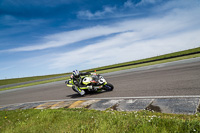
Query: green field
point(107, 68)
point(91, 121)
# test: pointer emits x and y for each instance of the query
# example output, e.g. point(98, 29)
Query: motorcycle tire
point(110, 88)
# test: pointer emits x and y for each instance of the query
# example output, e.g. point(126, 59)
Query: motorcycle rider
point(77, 80)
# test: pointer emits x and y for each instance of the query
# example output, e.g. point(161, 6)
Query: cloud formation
point(146, 38)
point(143, 28)
point(128, 3)
point(144, 2)
point(86, 14)
point(69, 37)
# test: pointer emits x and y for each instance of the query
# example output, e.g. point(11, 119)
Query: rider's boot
point(79, 91)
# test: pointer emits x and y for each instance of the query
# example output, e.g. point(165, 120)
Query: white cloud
point(123, 48)
point(145, 2)
point(148, 37)
point(65, 38)
point(98, 14)
point(128, 3)
point(148, 27)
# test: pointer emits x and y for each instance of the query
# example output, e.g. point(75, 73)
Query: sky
point(43, 37)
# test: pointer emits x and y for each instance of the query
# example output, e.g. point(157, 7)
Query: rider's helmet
point(76, 74)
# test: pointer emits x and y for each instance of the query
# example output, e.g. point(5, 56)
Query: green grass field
point(18, 80)
point(91, 121)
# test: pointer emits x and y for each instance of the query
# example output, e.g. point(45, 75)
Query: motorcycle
point(93, 83)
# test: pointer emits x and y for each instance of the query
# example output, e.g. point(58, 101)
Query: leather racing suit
point(78, 81)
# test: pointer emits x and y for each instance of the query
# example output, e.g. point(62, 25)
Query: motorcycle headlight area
point(101, 80)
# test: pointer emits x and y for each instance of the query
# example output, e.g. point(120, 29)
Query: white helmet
point(76, 74)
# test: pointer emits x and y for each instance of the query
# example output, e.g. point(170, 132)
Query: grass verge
point(152, 59)
point(34, 83)
point(150, 63)
point(83, 120)
point(105, 71)
point(26, 79)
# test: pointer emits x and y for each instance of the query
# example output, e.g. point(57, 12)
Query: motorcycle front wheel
point(108, 87)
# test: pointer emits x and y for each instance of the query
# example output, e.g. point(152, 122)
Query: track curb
point(175, 105)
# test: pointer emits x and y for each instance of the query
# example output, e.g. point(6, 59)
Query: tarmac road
point(169, 79)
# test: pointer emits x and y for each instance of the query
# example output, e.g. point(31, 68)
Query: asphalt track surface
point(181, 78)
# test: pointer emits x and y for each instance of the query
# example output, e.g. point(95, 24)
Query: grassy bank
point(34, 83)
point(185, 52)
point(25, 79)
point(150, 63)
point(83, 120)
point(18, 80)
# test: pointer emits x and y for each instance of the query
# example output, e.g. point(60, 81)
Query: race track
point(176, 79)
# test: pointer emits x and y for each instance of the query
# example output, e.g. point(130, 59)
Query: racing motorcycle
point(97, 82)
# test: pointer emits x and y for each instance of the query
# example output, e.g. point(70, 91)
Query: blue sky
point(44, 37)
